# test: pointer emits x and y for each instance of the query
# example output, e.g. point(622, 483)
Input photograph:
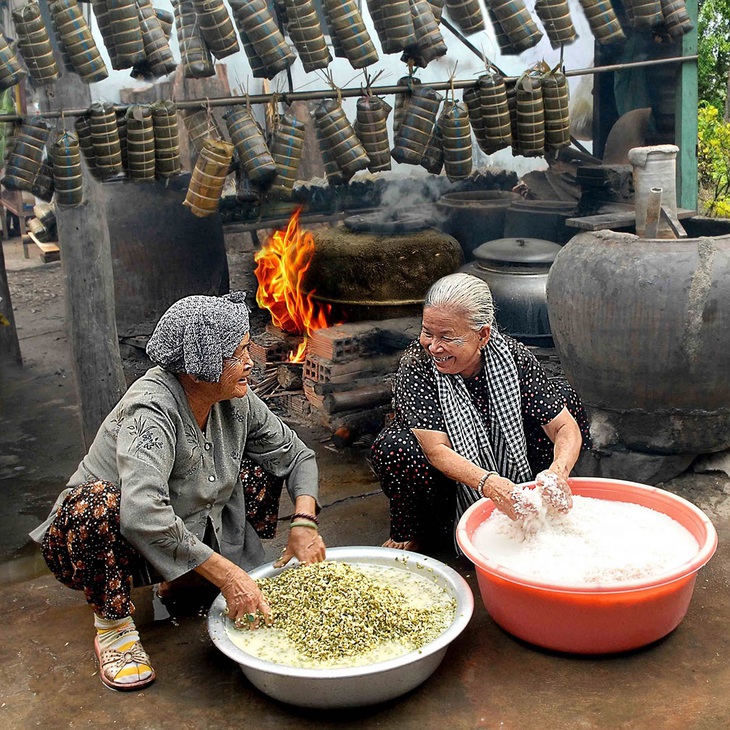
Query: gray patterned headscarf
point(196, 333)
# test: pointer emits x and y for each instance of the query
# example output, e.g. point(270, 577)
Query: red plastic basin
point(593, 618)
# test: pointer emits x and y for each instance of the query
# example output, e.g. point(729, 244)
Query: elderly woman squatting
point(474, 414)
point(160, 495)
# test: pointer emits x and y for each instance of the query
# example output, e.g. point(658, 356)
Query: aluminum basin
point(355, 686)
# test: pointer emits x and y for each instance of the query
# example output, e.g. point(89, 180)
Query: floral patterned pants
point(85, 550)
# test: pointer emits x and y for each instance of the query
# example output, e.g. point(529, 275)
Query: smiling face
point(448, 338)
point(236, 369)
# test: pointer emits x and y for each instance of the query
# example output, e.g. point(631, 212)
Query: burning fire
point(280, 268)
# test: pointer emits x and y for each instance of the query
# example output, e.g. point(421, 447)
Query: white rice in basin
point(598, 541)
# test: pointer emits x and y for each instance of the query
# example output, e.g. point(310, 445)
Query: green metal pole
point(686, 119)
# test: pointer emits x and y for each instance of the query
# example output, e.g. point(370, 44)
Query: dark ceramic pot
point(516, 270)
point(642, 328)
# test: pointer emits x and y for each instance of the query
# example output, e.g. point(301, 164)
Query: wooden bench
point(49, 250)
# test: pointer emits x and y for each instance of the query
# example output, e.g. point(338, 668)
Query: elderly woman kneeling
point(474, 415)
point(160, 493)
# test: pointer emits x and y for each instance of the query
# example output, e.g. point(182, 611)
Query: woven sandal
point(111, 662)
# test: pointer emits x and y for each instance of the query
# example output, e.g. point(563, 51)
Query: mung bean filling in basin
point(377, 612)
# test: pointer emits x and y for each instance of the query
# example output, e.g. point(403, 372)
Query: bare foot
point(413, 545)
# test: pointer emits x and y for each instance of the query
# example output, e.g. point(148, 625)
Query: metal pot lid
point(507, 252)
point(394, 222)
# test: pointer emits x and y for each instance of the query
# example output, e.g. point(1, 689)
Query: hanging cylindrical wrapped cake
point(500, 36)
point(473, 105)
point(11, 71)
point(286, 149)
point(393, 22)
point(402, 100)
point(216, 27)
point(646, 14)
point(34, 44)
point(372, 131)
point(82, 127)
point(433, 157)
point(167, 139)
point(516, 23)
point(602, 19)
point(101, 13)
point(306, 34)
point(157, 49)
point(26, 155)
point(331, 169)
point(262, 32)
point(121, 115)
point(456, 135)
point(77, 40)
point(341, 138)
point(67, 175)
point(140, 143)
point(200, 125)
point(557, 115)
point(248, 139)
point(347, 24)
point(466, 14)
point(429, 43)
point(530, 112)
point(126, 33)
point(555, 18)
point(494, 111)
point(194, 53)
point(676, 18)
point(418, 121)
point(105, 139)
point(209, 177)
point(43, 184)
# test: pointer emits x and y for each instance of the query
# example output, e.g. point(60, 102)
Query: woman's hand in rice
point(245, 604)
point(508, 498)
point(304, 544)
point(553, 486)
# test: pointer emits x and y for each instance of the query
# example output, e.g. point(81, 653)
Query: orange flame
point(280, 268)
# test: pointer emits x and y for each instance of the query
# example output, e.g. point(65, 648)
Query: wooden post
point(83, 237)
point(9, 345)
point(686, 119)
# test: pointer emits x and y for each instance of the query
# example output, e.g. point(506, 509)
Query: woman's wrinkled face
point(452, 344)
point(236, 369)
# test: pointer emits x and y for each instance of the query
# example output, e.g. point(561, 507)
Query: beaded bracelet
point(483, 481)
point(305, 516)
point(303, 523)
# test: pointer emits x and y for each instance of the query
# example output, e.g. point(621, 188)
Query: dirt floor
point(488, 679)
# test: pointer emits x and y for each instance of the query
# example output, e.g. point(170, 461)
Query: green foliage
point(713, 159)
point(713, 30)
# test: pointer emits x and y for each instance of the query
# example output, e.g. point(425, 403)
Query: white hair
point(466, 293)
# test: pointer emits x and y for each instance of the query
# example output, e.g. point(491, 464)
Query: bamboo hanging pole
point(289, 97)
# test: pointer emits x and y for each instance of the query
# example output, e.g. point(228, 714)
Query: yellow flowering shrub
point(713, 160)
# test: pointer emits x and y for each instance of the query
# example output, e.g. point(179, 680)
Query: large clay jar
point(474, 217)
point(642, 328)
point(543, 219)
point(372, 268)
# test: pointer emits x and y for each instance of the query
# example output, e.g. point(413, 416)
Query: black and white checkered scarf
point(501, 448)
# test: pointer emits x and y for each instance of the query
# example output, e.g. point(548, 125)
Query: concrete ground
point(48, 676)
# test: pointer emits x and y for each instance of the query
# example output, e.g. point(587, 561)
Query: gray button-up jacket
point(176, 480)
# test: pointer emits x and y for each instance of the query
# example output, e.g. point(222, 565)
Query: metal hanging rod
point(288, 97)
